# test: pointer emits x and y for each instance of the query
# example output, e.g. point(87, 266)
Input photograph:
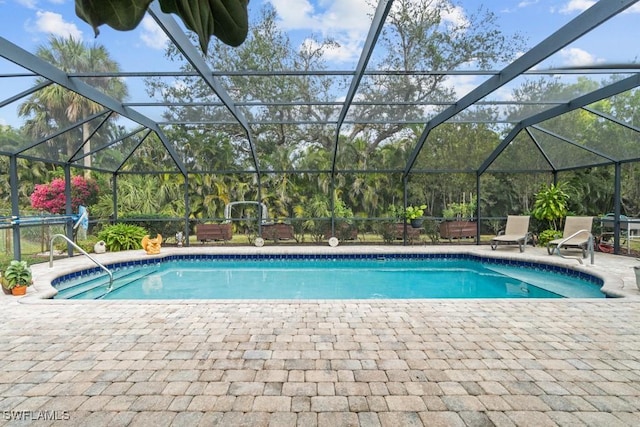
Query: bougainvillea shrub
point(50, 197)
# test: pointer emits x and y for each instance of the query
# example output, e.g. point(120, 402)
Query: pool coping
point(615, 271)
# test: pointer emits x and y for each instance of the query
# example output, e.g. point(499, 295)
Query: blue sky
point(28, 23)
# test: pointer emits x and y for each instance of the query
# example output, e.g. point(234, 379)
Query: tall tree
point(427, 35)
point(55, 107)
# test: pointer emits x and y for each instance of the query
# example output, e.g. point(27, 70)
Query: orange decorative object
point(18, 290)
point(152, 246)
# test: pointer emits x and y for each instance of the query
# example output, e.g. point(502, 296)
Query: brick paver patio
point(324, 363)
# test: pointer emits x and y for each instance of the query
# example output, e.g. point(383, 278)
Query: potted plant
point(551, 206)
point(16, 277)
point(458, 222)
point(414, 214)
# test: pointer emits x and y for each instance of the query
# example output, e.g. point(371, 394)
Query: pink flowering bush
point(50, 197)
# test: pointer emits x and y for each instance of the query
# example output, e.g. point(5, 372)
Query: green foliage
point(88, 243)
point(156, 223)
point(394, 213)
point(387, 230)
point(227, 20)
point(414, 212)
point(17, 273)
point(460, 210)
point(122, 237)
point(551, 204)
point(548, 235)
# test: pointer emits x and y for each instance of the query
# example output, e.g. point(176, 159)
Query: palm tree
point(57, 107)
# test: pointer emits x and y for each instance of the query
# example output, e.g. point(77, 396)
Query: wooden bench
point(205, 232)
point(277, 232)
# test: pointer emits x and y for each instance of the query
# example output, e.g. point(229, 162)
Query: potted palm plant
point(17, 277)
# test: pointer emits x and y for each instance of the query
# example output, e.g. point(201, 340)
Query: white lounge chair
point(577, 230)
point(516, 232)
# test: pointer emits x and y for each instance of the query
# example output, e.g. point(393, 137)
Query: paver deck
point(325, 363)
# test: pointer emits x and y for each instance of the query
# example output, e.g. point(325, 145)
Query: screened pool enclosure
point(464, 118)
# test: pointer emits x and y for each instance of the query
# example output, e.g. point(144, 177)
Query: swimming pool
point(305, 277)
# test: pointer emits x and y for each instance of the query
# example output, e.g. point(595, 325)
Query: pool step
point(97, 287)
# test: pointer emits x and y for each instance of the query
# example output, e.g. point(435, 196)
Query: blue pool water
point(303, 279)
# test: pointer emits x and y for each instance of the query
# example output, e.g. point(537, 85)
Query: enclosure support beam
point(582, 24)
point(612, 119)
point(62, 131)
point(114, 192)
point(25, 93)
point(478, 208)
point(68, 207)
point(540, 149)
point(573, 143)
point(579, 102)
point(15, 205)
point(405, 201)
point(81, 148)
point(187, 210)
point(181, 41)
point(27, 60)
point(380, 16)
point(617, 198)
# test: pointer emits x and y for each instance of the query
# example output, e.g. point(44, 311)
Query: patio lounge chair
point(577, 226)
point(515, 233)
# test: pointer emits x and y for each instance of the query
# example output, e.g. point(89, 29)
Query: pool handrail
point(69, 241)
point(590, 246)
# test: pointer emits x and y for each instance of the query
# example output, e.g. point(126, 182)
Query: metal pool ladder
point(590, 246)
point(69, 241)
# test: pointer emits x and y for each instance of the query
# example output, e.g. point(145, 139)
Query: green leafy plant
point(551, 204)
point(16, 274)
point(414, 212)
point(548, 235)
point(460, 210)
point(122, 237)
point(162, 224)
point(228, 20)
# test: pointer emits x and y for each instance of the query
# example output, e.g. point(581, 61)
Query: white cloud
point(456, 17)
point(346, 21)
point(577, 6)
point(328, 17)
point(53, 23)
point(633, 9)
point(462, 84)
point(574, 56)
point(30, 4)
point(152, 35)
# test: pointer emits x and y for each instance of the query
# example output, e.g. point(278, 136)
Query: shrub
point(50, 197)
point(548, 235)
point(122, 237)
point(164, 225)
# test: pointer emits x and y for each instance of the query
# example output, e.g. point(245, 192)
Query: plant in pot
point(17, 277)
point(414, 214)
point(458, 220)
point(550, 206)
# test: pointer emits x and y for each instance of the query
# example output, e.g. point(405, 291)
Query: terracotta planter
point(19, 290)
